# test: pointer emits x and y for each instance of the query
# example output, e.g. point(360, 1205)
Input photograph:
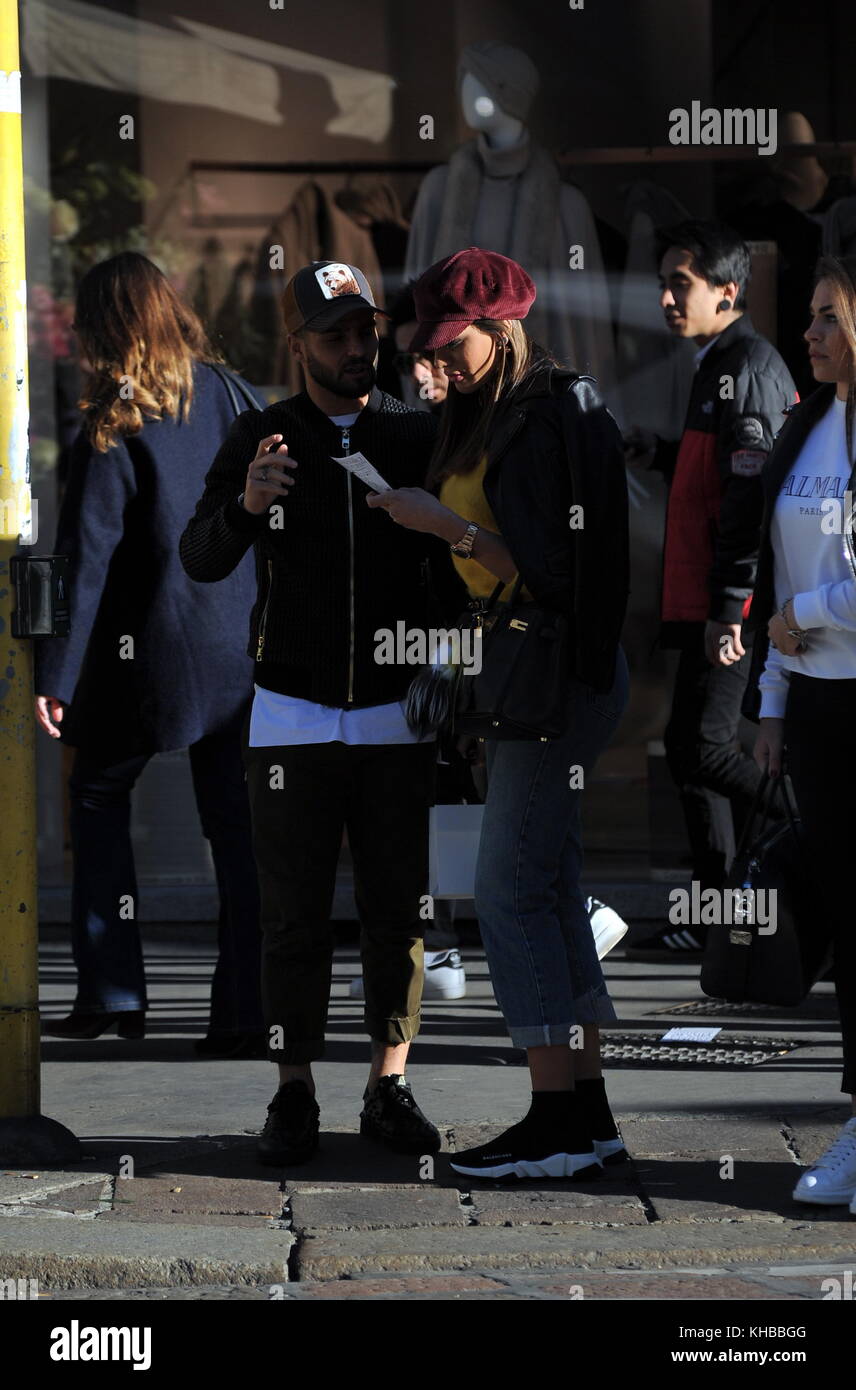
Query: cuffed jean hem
point(295, 1054)
point(392, 1032)
point(588, 1008)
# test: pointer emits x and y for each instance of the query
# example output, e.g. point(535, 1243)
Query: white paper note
point(690, 1035)
point(359, 465)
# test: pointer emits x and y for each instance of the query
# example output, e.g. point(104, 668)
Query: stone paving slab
point(376, 1209)
point(32, 1184)
point(192, 1194)
point(518, 1208)
point(705, 1139)
point(115, 1255)
point(656, 1246)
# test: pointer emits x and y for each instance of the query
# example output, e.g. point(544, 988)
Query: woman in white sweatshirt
point(807, 668)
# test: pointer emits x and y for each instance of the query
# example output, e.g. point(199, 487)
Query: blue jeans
point(536, 931)
point(105, 939)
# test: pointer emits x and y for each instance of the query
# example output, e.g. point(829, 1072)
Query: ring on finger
point(263, 474)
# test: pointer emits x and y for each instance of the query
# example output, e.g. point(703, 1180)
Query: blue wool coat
point(154, 661)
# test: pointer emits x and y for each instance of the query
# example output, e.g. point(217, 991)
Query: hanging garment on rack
point(655, 369)
point(372, 202)
point(513, 201)
point(311, 228)
point(208, 284)
point(839, 228)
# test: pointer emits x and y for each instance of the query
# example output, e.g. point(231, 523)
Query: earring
point(724, 304)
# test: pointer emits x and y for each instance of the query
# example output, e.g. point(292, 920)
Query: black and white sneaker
point(600, 1120)
point(679, 943)
point(525, 1151)
point(391, 1116)
point(290, 1134)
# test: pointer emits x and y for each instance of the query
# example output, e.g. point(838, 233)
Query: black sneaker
point(290, 1134)
point(524, 1151)
point(678, 943)
point(391, 1116)
point(609, 1144)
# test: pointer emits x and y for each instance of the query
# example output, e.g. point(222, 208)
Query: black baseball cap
point(320, 294)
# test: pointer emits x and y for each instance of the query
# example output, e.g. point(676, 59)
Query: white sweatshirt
point(811, 564)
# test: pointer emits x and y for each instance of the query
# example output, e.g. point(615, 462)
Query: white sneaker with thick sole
point(831, 1181)
point(445, 977)
point(607, 926)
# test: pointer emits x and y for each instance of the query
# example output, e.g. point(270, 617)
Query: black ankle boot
point(130, 1024)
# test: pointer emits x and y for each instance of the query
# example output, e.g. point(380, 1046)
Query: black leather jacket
point(555, 446)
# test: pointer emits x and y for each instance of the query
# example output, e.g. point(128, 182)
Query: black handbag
point(748, 960)
point(516, 683)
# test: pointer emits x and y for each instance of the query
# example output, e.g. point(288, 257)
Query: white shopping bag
point(454, 834)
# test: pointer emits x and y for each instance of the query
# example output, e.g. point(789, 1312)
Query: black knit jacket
point(332, 572)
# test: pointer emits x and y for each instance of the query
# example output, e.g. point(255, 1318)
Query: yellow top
point(464, 493)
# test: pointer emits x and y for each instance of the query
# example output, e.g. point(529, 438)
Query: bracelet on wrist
point(792, 631)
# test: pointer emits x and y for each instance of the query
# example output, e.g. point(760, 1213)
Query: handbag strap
point(235, 386)
point(762, 802)
point(512, 597)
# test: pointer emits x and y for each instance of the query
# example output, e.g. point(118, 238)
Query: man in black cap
point(328, 744)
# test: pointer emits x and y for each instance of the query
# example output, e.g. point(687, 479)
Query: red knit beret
point(469, 285)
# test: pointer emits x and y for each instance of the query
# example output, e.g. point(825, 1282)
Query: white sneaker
point(444, 977)
point(607, 926)
point(831, 1181)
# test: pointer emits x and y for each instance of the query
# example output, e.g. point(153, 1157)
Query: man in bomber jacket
point(327, 745)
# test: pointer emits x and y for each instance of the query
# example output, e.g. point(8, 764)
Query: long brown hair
point(466, 421)
point(840, 271)
point(140, 341)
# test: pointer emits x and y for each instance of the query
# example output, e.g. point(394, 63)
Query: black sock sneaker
point(608, 1143)
point(290, 1134)
point(391, 1116)
point(551, 1141)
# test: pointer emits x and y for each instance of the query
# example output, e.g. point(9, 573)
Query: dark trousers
point(716, 780)
point(301, 799)
point(821, 763)
point(105, 904)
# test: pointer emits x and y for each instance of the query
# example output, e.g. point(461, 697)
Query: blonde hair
point(466, 420)
point(840, 271)
point(135, 332)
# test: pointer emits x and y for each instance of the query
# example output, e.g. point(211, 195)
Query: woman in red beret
point(528, 480)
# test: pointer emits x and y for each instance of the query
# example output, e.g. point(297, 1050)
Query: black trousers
point(104, 928)
point(822, 763)
point(301, 799)
point(716, 780)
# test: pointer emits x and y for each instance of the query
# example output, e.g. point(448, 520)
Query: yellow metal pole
point(24, 1134)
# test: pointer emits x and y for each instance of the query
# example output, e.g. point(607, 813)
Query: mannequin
point(503, 191)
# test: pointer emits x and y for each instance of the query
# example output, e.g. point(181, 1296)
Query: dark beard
point(337, 383)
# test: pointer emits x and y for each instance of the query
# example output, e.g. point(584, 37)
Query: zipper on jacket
point(263, 618)
point(346, 449)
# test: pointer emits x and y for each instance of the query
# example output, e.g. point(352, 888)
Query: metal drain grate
point(644, 1050)
point(715, 1008)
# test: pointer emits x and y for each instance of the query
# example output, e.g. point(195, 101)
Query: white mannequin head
point(482, 113)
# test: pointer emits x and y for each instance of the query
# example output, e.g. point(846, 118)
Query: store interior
point(206, 135)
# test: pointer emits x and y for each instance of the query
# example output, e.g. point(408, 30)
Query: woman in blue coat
point(154, 662)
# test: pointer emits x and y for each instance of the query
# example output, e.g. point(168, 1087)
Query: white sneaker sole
point(556, 1166)
point(457, 990)
point(611, 1150)
point(840, 1198)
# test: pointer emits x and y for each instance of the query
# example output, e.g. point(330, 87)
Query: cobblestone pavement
point(154, 1212)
